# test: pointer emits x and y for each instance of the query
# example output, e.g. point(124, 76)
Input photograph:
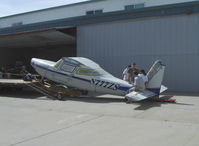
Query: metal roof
point(155, 11)
point(51, 8)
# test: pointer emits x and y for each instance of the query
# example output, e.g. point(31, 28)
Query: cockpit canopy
point(80, 66)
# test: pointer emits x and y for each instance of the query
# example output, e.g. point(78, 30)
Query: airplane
point(84, 74)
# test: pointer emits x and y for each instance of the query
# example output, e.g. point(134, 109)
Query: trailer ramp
point(39, 87)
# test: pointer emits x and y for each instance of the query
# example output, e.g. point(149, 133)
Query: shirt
point(139, 82)
point(132, 70)
point(145, 78)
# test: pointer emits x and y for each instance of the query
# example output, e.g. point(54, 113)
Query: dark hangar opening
point(51, 44)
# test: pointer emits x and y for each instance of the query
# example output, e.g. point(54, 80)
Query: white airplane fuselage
point(105, 84)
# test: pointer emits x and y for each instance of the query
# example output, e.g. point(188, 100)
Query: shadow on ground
point(147, 104)
point(142, 105)
point(26, 94)
point(95, 99)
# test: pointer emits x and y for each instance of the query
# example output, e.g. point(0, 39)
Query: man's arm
point(129, 78)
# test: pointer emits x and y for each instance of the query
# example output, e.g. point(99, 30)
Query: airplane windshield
point(58, 63)
point(85, 66)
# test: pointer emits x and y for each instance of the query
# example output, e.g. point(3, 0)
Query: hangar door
point(172, 39)
point(49, 44)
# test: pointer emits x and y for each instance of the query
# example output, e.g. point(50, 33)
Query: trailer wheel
point(60, 96)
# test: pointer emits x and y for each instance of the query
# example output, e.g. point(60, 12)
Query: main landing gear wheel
point(59, 96)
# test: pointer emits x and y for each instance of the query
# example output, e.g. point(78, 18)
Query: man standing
point(125, 73)
point(131, 73)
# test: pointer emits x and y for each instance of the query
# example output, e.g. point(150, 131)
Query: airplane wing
point(138, 96)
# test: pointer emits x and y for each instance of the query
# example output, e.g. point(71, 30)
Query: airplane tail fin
point(154, 87)
point(155, 77)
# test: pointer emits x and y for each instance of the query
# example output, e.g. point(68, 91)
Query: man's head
point(142, 71)
point(133, 65)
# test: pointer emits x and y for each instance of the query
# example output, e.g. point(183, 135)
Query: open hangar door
point(51, 44)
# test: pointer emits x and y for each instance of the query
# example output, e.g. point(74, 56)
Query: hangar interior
point(49, 44)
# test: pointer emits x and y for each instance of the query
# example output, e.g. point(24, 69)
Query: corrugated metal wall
point(172, 39)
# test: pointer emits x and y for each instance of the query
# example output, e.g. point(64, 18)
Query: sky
point(11, 7)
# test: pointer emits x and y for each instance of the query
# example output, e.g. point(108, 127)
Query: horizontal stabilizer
point(163, 88)
point(138, 96)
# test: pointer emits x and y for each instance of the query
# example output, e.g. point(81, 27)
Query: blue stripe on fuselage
point(124, 88)
point(81, 79)
point(86, 80)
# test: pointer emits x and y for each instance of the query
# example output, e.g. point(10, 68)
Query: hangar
point(113, 39)
point(45, 43)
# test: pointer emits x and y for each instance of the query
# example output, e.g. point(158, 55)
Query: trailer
point(13, 84)
point(52, 91)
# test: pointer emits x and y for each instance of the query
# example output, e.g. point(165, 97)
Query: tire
point(59, 96)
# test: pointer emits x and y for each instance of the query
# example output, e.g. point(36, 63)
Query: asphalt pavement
point(30, 119)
